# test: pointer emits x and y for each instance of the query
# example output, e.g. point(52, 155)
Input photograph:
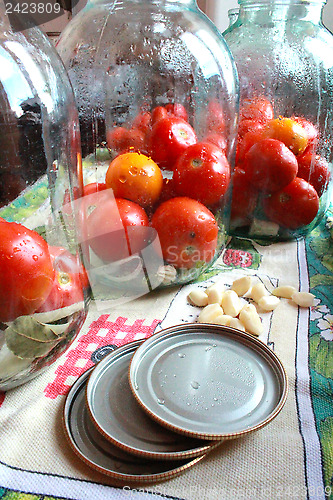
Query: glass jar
point(284, 57)
point(157, 94)
point(43, 284)
point(232, 16)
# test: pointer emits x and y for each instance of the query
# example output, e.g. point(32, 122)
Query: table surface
point(291, 457)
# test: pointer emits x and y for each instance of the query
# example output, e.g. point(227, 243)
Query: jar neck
point(280, 10)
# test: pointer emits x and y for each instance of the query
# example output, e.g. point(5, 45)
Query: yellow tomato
point(135, 177)
point(288, 131)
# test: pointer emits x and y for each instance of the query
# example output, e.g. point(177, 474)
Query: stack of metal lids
point(150, 410)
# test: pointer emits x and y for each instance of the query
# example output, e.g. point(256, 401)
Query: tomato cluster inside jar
point(165, 187)
point(280, 179)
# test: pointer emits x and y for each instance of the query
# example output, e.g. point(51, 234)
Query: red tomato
point(218, 139)
point(248, 126)
point(121, 139)
point(187, 231)
point(246, 142)
point(296, 205)
point(65, 262)
point(269, 165)
point(93, 187)
point(169, 138)
point(258, 108)
point(26, 271)
point(314, 169)
point(117, 228)
point(117, 138)
point(142, 121)
point(66, 291)
point(244, 199)
point(203, 173)
point(177, 109)
point(158, 113)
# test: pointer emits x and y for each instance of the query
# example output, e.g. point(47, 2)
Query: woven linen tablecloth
point(292, 457)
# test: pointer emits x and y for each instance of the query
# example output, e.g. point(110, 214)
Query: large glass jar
point(157, 95)
point(43, 285)
point(284, 58)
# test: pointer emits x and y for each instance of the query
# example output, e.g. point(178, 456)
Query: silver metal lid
point(101, 455)
point(208, 381)
point(118, 416)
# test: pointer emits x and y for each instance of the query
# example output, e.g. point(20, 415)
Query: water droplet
point(188, 404)
point(181, 355)
point(122, 179)
point(195, 384)
point(215, 399)
point(136, 387)
point(134, 171)
point(160, 401)
point(209, 348)
point(35, 257)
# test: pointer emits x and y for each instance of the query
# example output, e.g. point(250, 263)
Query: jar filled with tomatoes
point(283, 172)
point(157, 94)
point(43, 284)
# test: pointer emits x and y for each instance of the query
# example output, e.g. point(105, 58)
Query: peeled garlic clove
point(303, 299)
point(257, 291)
point(209, 313)
point(284, 291)
point(231, 303)
point(214, 293)
point(268, 302)
point(223, 319)
point(236, 323)
point(242, 285)
point(251, 320)
point(198, 297)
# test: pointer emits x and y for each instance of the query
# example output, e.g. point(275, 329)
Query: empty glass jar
point(43, 284)
point(157, 94)
point(284, 57)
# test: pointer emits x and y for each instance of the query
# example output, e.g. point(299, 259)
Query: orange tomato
point(288, 131)
point(135, 177)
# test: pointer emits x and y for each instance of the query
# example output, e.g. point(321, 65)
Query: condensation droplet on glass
point(160, 401)
point(181, 355)
point(195, 384)
point(209, 348)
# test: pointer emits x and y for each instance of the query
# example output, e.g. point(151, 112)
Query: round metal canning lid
point(101, 455)
point(118, 416)
point(208, 381)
